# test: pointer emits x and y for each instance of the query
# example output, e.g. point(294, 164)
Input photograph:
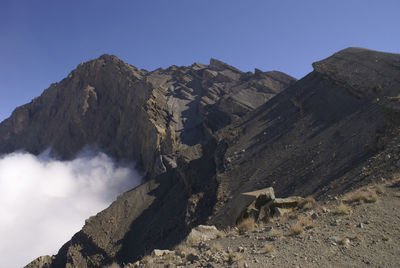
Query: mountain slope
point(315, 137)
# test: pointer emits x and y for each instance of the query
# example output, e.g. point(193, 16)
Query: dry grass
point(379, 188)
point(394, 182)
point(260, 225)
point(233, 257)
point(246, 225)
point(342, 209)
point(292, 215)
point(275, 233)
point(344, 241)
point(296, 229)
point(183, 250)
point(220, 234)
point(307, 203)
point(283, 219)
point(307, 222)
point(147, 259)
point(268, 248)
point(193, 240)
point(216, 247)
point(395, 179)
point(361, 195)
point(397, 194)
point(356, 238)
point(114, 265)
point(229, 231)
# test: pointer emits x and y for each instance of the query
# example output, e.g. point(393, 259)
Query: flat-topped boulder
point(288, 202)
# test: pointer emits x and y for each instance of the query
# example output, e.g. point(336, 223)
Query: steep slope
point(134, 114)
point(314, 137)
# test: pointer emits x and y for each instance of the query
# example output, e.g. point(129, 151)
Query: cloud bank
point(44, 201)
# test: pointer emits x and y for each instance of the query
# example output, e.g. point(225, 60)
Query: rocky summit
point(210, 137)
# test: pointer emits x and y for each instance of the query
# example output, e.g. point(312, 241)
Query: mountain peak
point(220, 66)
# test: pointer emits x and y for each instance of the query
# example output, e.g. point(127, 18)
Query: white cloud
point(44, 201)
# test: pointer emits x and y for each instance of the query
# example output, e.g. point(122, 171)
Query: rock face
point(204, 134)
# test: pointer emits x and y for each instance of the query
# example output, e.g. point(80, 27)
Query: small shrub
point(356, 238)
point(260, 225)
point(395, 181)
point(307, 203)
point(216, 247)
point(292, 215)
point(307, 222)
point(342, 209)
point(397, 194)
point(267, 248)
point(275, 233)
point(296, 229)
point(284, 218)
point(230, 258)
point(192, 257)
point(183, 250)
point(194, 239)
point(147, 259)
point(220, 234)
point(233, 257)
point(360, 196)
point(385, 238)
point(379, 188)
point(246, 225)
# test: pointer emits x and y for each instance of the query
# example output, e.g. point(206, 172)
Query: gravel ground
point(327, 237)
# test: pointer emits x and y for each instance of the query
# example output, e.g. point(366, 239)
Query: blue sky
point(41, 41)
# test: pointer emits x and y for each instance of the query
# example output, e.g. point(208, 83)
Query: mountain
point(134, 114)
point(206, 133)
point(159, 119)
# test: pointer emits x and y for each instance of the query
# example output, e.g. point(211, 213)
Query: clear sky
point(41, 41)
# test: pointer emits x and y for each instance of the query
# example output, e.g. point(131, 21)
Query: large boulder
point(203, 233)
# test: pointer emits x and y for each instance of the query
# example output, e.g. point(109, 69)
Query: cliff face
point(134, 114)
point(210, 136)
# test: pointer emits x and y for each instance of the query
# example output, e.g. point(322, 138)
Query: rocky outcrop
point(262, 205)
point(203, 233)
